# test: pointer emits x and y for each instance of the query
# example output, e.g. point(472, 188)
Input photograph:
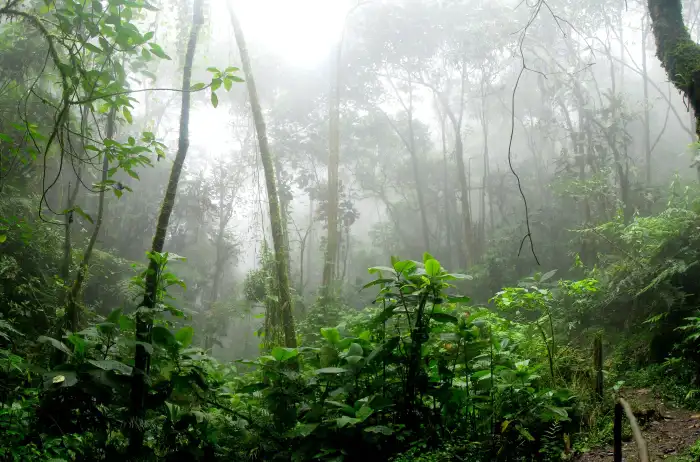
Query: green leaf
point(284, 354)
point(197, 86)
point(345, 420)
point(377, 282)
point(302, 430)
point(427, 256)
point(127, 115)
point(104, 44)
point(215, 84)
point(214, 99)
point(110, 365)
point(364, 412)
point(213, 70)
point(93, 48)
point(524, 432)
point(253, 387)
point(146, 346)
point(60, 379)
point(386, 347)
point(458, 299)
point(56, 344)
point(163, 337)
point(228, 83)
point(331, 334)
point(379, 429)
point(331, 370)
point(444, 317)
point(381, 269)
point(405, 267)
point(185, 336)
point(432, 267)
point(114, 316)
point(355, 350)
point(349, 410)
point(82, 213)
point(133, 174)
point(3, 238)
point(548, 275)
point(158, 51)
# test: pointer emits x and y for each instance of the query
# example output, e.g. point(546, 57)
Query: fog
point(566, 99)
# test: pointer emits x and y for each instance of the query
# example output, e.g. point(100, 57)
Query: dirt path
point(668, 431)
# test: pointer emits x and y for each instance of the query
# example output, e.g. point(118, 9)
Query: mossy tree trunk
point(278, 234)
point(144, 321)
point(679, 54)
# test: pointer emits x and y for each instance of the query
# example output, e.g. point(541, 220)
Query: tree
point(278, 234)
point(679, 54)
point(144, 320)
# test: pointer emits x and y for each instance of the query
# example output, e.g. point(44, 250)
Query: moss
point(679, 54)
point(684, 59)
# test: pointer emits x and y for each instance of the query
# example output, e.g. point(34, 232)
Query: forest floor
point(668, 431)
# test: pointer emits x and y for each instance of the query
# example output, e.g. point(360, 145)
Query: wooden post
point(598, 365)
point(617, 433)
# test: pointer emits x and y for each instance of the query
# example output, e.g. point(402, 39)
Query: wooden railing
point(620, 406)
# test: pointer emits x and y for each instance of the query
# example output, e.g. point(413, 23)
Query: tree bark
point(144, 321)
point(679, 54)
point(333, 168)
point(645, 114)
point(278, 239)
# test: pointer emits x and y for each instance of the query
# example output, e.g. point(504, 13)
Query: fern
point(552, 442)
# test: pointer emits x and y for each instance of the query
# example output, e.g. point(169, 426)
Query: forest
point(349, 230)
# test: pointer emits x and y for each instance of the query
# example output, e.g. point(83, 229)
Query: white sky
point(303, 31)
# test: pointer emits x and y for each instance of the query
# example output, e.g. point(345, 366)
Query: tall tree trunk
point(446, 198)
point(416, 171)
point(72, 319)
point(284, 211)
point(333, 169)
point(679, 54)
point(468, 243)
point(71, 197)
point(281, 251)
point(144, 321)
point(645, 114)
point(64, 269)
point(485, 177)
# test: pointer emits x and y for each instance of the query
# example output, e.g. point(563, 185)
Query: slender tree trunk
point(309, 244)
point(485, 177)
point(333, 168)
point(468, 242)
point(71, 197)
point(64, 269)
point(281, 251)
point(645, 114)
point(72, 319)
point(445, 194)
point(284, 211)
point(144, 321)
point(347, 253)
point(417, 172)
